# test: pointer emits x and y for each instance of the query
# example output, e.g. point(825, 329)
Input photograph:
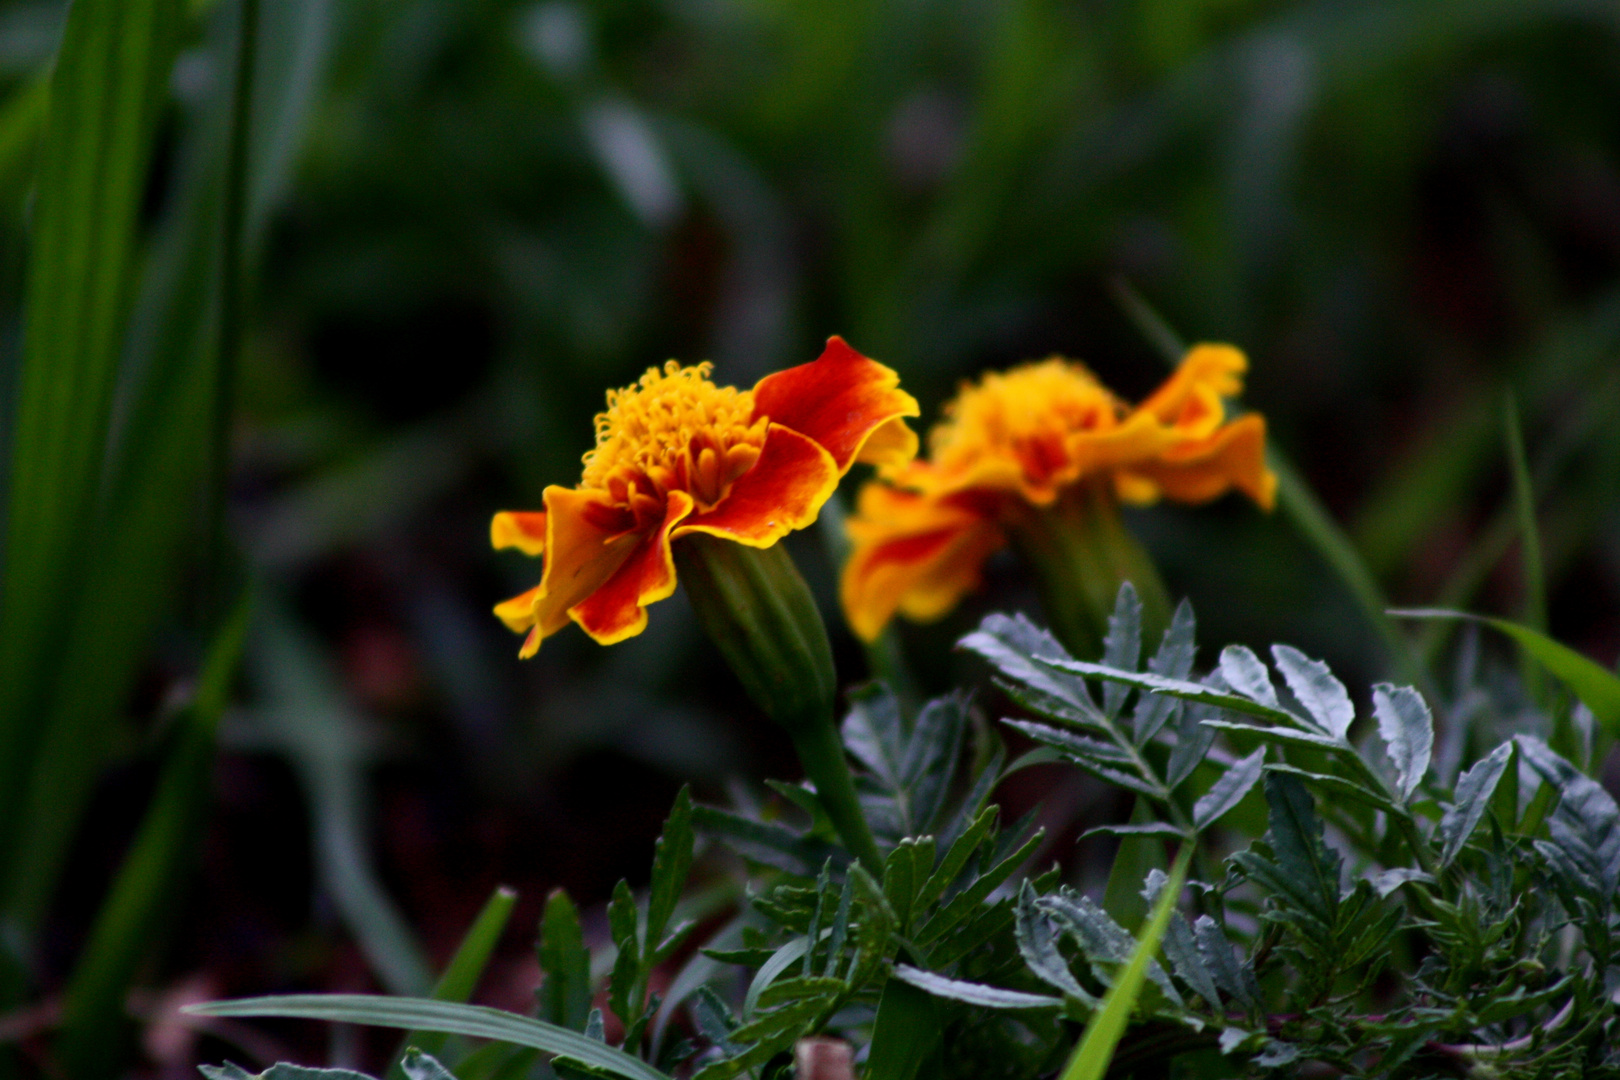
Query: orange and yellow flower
point(1021, 440)
point(675, 454)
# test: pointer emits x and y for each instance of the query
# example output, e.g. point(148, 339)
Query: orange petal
point(1234, 457)
point(912, 554)
point(840, 400)
point(586, 542)
point(617, 609)
point(518, 612)
point(1191, 398)
point(524, 530)
point(781, 492)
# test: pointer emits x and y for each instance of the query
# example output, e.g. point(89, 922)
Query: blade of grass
point(461, 975)
point(478, 1021)
point(1524, 505)
point(93, 1036)
point(306, 719)
point(108, 85)
point(1096, 1049)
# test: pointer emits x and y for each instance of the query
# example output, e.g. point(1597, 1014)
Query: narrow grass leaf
point(424, 1014)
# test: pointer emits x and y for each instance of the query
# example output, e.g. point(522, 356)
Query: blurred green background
point(462, 220)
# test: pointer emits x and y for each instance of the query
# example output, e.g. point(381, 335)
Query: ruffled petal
point(1234, 457)
point(587, 539)
point(912, 554)
point(518, 612)
point(840, 400)
point(617, 609)
point(524, 530)
point(781, 492)
point(1190, 400)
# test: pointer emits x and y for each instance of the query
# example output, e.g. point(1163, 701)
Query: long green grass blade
point(423, 1014)
point(466, 967)
point(93, 1019)
point(110, 81)
point(1096, 1049)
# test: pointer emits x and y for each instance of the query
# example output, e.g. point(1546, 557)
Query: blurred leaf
point(93, 1036)
point(422, 1014)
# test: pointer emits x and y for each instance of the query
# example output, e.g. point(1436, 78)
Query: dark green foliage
point(1384, 925)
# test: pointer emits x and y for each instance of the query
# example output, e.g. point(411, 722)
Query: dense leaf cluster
point(1348, 910)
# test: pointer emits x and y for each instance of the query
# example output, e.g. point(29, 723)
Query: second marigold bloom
point(1020, 441)
point(675, 454)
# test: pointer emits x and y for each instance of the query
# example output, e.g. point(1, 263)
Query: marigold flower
point(1020, 441)
point(675, 455)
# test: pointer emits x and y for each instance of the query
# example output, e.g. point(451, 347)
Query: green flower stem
point(1080, 551)
point(759, 612)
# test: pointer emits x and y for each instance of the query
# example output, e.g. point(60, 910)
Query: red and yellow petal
point(782, 491)
point(912, 554)
point(842, 400)
point(1190, 400)
point(1234, 457)
point(617, 608)
point(524, 530)
point(586, 542)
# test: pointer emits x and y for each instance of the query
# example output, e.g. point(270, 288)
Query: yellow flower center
point(673, 430)
point(1028, 415)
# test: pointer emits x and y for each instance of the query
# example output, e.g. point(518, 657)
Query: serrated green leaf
point(767, 843)
point(1339, 787)
point(977, 994)
point(672, 859)
point(1189, 691)
point(1305, 870)
point(1224, 968)
point(279, 1071)
point(1279, 734)
point(1174, 660)
point(1315, 687)
point(1096, 757)
point(932, 753)
point(957, 856)
point(963, 902)
point(1193, 740)
point(1244, 672)
point(423, 1014)
point(1407, 728)
point(1584, 825)
point(1016, 647)
point(1472, 796)
point(899, 882)
point(1102, 939)
point(800, 986)
point(625, 983)
point(1122, 646)
point(1228, 790)
point(1038, 946)
point(1146, 828)
point(566, 986)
